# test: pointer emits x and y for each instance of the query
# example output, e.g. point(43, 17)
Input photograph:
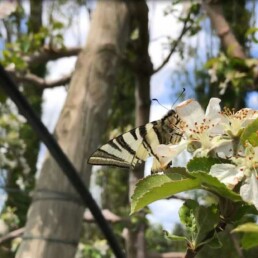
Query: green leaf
point(174, 237)
point(247, 227)
point(200, 222)
point(160, 186)
point(250, 237)
point(213, 185)
point(207, 219)
point(250, 134)
point(252, 31)
point(215, 243)
point(249, 240)
point(202, 164)
point(186, 214)
point(211, 62)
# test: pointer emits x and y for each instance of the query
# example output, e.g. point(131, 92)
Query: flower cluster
point(218, 133)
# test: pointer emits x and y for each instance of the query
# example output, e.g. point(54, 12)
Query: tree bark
point(223, 30)
point(231, 43)
point(143, 70)
point(55, 215)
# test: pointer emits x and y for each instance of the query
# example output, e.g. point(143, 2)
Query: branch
point(165, 255)
point(38, 81)
point(88, 217)
point(175, 44)
point(236, 244)
point(181, 198)
point(11, 235)
point(222, 28)
point(50, 54)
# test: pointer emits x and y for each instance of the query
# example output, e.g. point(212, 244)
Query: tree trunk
point(143, 70)
point(223, 30)
point(230, 42)
point(55, 215)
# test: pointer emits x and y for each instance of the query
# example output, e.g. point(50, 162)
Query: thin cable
point(67, 167)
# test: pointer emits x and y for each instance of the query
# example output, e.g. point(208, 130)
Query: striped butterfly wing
point(128, 149)
point(135, 146)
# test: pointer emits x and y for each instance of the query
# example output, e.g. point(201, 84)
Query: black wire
point(67, 167)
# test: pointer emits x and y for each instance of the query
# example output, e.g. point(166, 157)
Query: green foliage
point(160, 186)
point(114, 184)
point(202, 164)
point(121, 119)
point(250, 236)
point(26, 44)
point(250, 134)
point(158, 240)
point(98, 249)
point(10, 218)
point(12, 147)
point(200, 223)
point(229, 71)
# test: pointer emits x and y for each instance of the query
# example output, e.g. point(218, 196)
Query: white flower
point(201, 129)
point(213, 75)
point(197, 127)
point(233, 123)
point(243, 170)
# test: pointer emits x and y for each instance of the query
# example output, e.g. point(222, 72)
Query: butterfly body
point(131, 148)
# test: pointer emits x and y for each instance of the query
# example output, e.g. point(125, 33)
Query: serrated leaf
point(160, 186)
point(213, 185)
point(201, 164)
point(250, 134)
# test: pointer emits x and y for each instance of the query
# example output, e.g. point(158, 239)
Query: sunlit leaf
point(250, 133)
point(201, 164)
point(160, 186)
point(250, 237)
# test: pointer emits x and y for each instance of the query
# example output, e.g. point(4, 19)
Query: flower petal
point(166, 153)
point(190, 111)
point(213, 109)
point(227, 174)
point(249, 190)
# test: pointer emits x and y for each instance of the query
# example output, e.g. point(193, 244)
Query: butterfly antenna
point(180, 95)
point(160, 103)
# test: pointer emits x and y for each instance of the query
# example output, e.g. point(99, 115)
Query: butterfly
point(131, 148)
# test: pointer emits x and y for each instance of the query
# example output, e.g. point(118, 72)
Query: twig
point(49, 54)
point(11, 235)
point(38, 81)
point(175, 44)
point(181, 198)
point(236, 244)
